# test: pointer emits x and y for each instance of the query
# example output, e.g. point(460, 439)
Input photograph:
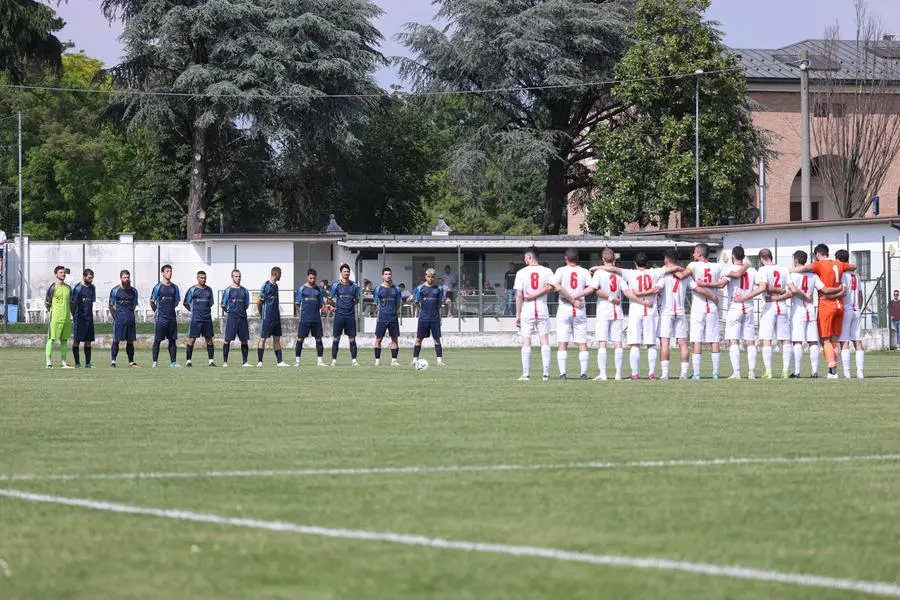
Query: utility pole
point(805, 184)
point(698, 73)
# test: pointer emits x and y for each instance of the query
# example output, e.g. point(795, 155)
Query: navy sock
point(76, 353)
point(226, 348)
point(298, 348)
point(129, 351)
point(115, 351)
point(438, 350)
point(278, 355)
point(245, 351)
point(173, 351)
point(334, 349)
point(353, 350)
point(259, 353)
point(416, 349)
point(377, 353)
point(87, 355)
point(210, 351)
point(188, 352)
point(155, 350)
point(394, 353)
point(320, 348)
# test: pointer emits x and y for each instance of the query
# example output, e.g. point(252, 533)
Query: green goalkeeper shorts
point(60, 330)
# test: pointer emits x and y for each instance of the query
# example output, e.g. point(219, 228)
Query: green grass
point(100, 328)
point(830, 519)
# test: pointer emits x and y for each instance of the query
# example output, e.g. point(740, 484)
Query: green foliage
point(26, 38)
point(645, 158)
point(488, 47)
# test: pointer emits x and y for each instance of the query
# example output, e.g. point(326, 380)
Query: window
point(820, 109)
point(797, 211)
point(823, 109)
point(837, 110)
point(863, 262)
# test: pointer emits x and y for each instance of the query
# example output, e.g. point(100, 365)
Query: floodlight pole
point(698, 73)
point(20, 262)
point(805, 183)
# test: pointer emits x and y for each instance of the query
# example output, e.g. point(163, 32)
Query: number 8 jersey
point(531, 280)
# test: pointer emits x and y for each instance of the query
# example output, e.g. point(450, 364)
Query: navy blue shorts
point(124, 331)
point(166, 330)
point(344, 324)
point(270, 329)
point(307, 328)
point(198, 329)
point(236, 328)
point(391, 327)
point(428, 329)
point(83, 330)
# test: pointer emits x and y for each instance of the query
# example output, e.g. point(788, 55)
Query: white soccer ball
point(421, 364)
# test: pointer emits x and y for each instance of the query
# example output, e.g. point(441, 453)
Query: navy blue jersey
point(430, 299)
point(311, 301)
point(166, 298)
point(236, 300)
point(124, 301)
point(269, 296)
point(200, 300)
point(346, 296)
point(83, 298)
point(388, 301)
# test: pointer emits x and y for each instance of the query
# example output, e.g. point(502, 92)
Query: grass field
point(786, 521)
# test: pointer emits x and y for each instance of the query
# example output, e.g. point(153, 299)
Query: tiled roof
point(783, 64)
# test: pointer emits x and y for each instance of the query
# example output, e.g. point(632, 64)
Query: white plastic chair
point(101, 311)
point(35, 310)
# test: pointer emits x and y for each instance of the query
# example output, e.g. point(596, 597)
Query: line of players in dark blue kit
point(344, 297)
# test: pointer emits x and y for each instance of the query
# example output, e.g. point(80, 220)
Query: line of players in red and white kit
point(809, 304)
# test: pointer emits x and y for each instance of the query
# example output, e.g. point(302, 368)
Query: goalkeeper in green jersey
point(58, 302)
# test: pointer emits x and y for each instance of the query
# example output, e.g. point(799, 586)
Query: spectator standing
point(450, 281)
point(509, 282)
point(3, 242)
point(895, 318)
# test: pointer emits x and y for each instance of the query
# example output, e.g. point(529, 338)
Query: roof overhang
point(508, 244)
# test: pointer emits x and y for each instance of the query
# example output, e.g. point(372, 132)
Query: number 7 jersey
point(531, 280)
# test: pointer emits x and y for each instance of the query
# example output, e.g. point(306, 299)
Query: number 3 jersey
point(531, 280)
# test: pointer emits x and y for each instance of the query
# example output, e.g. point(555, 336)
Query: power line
point(385, 94)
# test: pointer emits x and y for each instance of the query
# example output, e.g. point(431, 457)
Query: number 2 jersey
point(776, 277)
point(531, 280)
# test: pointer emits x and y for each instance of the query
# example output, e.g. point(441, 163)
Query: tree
point(26, 38)
point(247, 71)
point(532, 64)
point(856, 131)
point(645, 166)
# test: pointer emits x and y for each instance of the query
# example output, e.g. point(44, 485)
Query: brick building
point(773, 81)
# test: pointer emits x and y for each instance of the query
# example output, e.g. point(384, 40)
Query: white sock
point(845, 360)
point(767, 358)
point(798, 356)
point(664, 368)
point(634, 360)
point(601, 360)
point(561, 358)
point(651, 359)
point(618, 357)
point(751, 357)
point(545, 359)
point(734, 355)
point(860, 360)
point(583, 358)
point(786, 356)
point(696, 359)
point(526, 360)
point(814, 357)
point(716, 361)
point(684, 369)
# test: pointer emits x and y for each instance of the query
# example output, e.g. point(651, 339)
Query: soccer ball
point(421, 364)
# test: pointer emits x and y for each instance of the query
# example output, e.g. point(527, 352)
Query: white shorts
point(773, 326)
point(642, 330)
point(740, 325)
point(571, 328)
point(850, 329)
point(803, 330)
point(534, 326)
point(705, 328)
point(672, 326)
point(609, 331)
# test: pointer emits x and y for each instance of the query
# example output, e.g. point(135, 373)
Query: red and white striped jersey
point(704, 272)
point(532, 279)
point(574, 279)
point(612, 284)
point(642, 281)
point(807, 283)
point(774, 276)
point(850, 280)
point(674, 295)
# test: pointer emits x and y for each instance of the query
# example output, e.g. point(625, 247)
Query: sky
point(745, 24)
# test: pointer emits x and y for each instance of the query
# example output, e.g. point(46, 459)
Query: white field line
point(735, 572)
point(424, 470)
